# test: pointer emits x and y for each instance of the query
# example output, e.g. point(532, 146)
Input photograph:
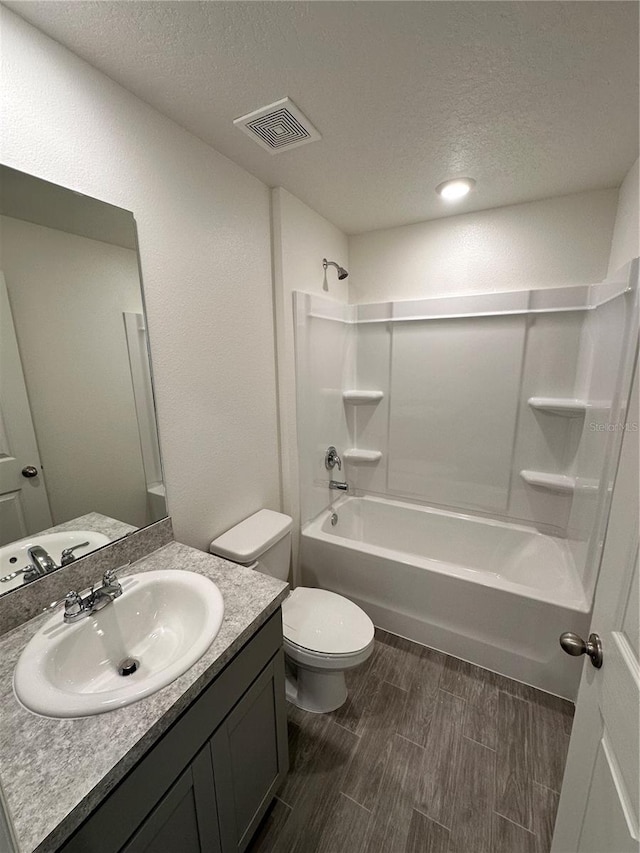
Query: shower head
point(342, 273)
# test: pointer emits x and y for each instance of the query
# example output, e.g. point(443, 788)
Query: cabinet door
point(250, 757)
point(185, 818)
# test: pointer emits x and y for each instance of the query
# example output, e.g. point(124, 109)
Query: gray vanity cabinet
point(246, 753)
point(185, 818)
point(204, 787)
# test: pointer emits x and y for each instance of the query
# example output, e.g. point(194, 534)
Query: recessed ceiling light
point(455, 189)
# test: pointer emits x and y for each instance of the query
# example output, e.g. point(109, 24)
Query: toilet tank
point(262, 541)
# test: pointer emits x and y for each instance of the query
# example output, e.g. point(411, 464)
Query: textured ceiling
point(532, 99)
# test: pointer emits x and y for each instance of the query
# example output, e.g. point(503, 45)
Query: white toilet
point(324, 633)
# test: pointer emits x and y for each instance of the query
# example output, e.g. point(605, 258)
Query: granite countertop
point(55, 772)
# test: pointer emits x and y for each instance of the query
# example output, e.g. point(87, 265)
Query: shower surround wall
point(486, 412)
point(468, 403)
point(454, 425)
point(605, 363)
point(325, 362)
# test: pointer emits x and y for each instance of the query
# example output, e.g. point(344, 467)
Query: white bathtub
point(496, 594)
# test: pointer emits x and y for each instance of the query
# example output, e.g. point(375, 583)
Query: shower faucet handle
point(331, 459)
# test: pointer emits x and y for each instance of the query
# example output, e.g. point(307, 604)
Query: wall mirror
point(79, 456)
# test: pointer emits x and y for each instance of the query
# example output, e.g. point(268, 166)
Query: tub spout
point(341, 487)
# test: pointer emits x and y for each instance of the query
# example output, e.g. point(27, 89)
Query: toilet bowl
point(325, 634)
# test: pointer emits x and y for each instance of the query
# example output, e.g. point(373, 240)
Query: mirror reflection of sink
point(163, 622)
point(14, 557)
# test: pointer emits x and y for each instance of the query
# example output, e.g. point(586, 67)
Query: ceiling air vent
point(278, 127)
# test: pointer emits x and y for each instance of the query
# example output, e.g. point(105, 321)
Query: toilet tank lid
point(247, 541)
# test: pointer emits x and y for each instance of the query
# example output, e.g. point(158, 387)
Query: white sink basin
point(165, 620)
point(15, 555)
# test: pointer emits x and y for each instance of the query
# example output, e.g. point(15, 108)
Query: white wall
point(549, 243)
point(67, 295)
point(301, 239)
point(625, 244)
point(204, 234)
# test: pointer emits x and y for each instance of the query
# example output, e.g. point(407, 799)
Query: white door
point(600, 798)
point(24, 505)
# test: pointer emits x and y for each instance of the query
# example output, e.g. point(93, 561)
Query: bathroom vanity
point(205, 785)
point(192, 767)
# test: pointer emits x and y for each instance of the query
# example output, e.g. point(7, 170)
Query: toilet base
point(314, 691)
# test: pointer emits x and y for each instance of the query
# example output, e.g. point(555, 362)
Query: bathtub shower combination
point(480, 438)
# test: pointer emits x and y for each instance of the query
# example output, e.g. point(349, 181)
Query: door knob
point(29, 471)
point(573, 644)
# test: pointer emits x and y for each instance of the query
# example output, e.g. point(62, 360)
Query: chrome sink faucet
point(42, 561)
point(77, 605)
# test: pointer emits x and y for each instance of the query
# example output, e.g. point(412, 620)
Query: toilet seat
point(321, 626)
point(331, 663)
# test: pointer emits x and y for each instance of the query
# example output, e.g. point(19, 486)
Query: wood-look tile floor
point(428, 754)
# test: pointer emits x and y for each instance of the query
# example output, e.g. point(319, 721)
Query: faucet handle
point(331, 459)
point(110, 577)
point(15, 574)
point(73, 604)
point(67, 555)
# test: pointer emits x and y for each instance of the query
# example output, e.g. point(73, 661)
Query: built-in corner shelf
point(362, 398)
point(561, 483)
point(568, 407)
point(362, 457)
